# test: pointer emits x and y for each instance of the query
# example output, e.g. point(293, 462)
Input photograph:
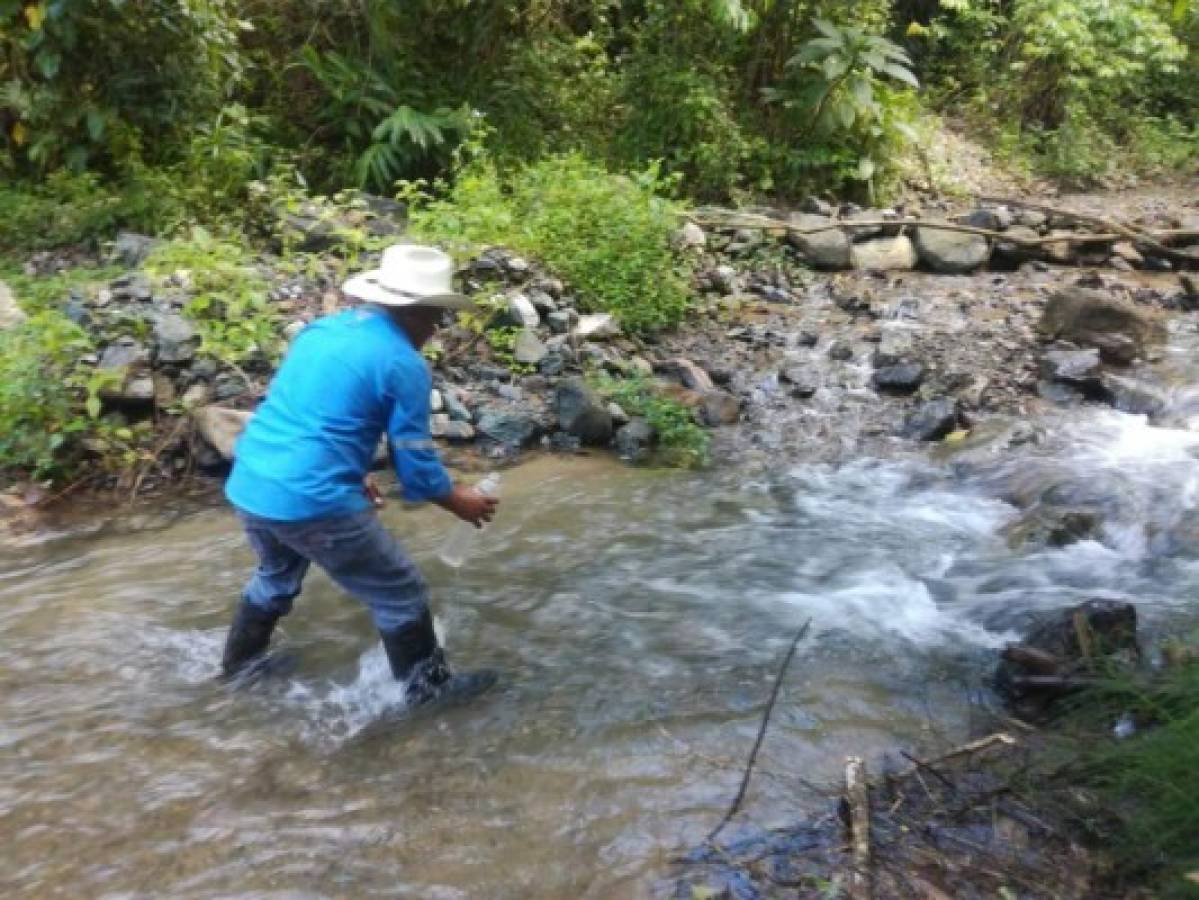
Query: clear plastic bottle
point(461, 540)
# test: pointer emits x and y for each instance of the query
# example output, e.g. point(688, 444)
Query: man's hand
point(469, 505)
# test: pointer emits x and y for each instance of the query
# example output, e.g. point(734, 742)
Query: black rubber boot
point(249, 636)
point(416, 659)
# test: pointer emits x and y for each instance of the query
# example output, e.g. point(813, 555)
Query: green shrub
point(1150, 780)
point(681, 441)
point(608, 235)
point(64, 209)
point(41, 408)
point(229, 296)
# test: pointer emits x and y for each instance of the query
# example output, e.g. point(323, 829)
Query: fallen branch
point(1000, 739)
point(753, 754)
point(1144, 238)
point(754, 220)
point(155, 454)
point(857, 795)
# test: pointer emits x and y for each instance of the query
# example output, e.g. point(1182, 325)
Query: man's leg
point(364, 559)
point(266, 598)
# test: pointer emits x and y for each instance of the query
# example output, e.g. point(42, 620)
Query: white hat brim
point(366, 287)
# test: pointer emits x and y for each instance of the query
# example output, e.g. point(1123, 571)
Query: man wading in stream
point(298, 479)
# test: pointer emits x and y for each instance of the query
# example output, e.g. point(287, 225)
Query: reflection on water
point(638, 616)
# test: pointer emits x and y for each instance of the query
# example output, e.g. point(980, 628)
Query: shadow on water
point(638, 617)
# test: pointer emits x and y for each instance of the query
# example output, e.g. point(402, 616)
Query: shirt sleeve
point(421, 474)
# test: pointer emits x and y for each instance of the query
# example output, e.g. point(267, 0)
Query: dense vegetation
point(566, 129)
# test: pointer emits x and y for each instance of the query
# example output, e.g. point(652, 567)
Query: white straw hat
point(409, 275)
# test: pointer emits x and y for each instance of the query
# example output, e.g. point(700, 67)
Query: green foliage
point(1151, 779)
point(83, 82)
point(835, 89)
point(608, 235)
point(681, 441)
point(229, 296)
point(49, 293)
point(373, 119)
point(65, 208)
point(40, 394)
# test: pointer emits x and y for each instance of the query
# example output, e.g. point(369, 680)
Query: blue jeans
point(359, 554)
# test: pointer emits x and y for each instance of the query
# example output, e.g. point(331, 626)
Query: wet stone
point(932, 421)
point(1078, 368)
point(903, 378)
point(635, 440)
point(840, 351)
point(175, 339)
point(122, 352)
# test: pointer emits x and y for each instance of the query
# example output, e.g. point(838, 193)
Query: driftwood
point(857, 795)
point(753, 754)
point(747, 219)
point(1000, 739)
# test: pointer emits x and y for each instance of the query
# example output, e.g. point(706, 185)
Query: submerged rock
point(512, 429)
point(1077, 368)
point(932, 421)
point(1091, 318)
point(720, 408)
point(635, 440)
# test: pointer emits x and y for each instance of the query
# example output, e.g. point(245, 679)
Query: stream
point(639, 617)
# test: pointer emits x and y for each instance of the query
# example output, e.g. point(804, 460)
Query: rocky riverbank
point(925, 335)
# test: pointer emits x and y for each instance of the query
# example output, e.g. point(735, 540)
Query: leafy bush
point(609, 235)
point(64, 209)
point(681, 441)
point(229, 296)
point(40, 394)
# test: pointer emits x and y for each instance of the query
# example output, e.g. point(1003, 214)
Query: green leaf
point(48, 62)
point(865, 169)
point(899, 72)
point(828, 29)
point(96, 121)
point(93, 406)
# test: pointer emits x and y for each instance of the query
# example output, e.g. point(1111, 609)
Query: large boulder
point(827, 248)
point(10, 312)
point(1091, 318)
point(951, 252)
point(220, 427)
point(581, 414)
point(884, 254)
point(511, 428)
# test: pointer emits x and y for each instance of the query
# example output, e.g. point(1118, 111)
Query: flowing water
point(639, 618)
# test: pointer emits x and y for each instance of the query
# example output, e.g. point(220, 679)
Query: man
point(298, 479)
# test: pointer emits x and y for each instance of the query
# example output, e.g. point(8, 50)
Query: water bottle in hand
point(462, 538)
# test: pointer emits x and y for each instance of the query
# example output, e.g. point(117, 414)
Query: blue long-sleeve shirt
point(348, 379)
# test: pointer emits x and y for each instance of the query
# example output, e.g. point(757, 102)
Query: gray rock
point(135, 287)
point(818, 207)
point(691, 235)
point(884, 255)
point(932, 421)
point(542, 301)
point(553, 364)
point(1031, 218)
point(522, 312)
point(199, 394)
point(220, 427)
point(1132, 396)
point(513, 429)
point(124, 352)
point(458, 432)
point(1012, 255)
point(438, 422)
point(10, 312)
point(581, 414)
point(951, 252)
point(804, 382)
point(228, 385)
point(619, 416)
point(823, 249)
point(529, 349)
point(175, 339)
point(719, 408)
point(455, 407)
point(724, 279)
point(997, 218)
point(691, 375)
point(436, 403)
point(635, 440)
point(903, 378)
point(558, 321)
point(840, 351)
point(1091, 318)
point(509, 392)
point(131, 249)
point(596, 326)
point(1077, 368)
